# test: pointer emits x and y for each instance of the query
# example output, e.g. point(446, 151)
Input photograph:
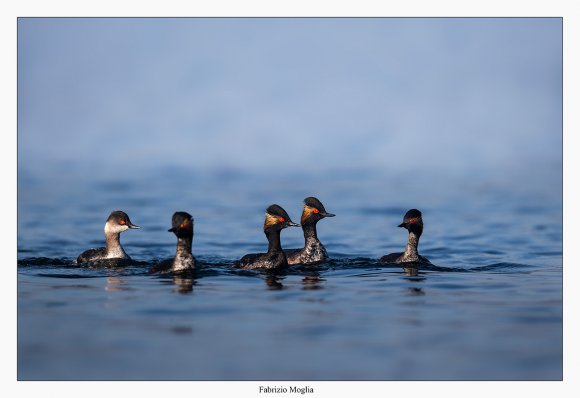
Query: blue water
point(489, 309)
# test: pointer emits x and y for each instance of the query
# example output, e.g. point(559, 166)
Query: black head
point(181, 224)
point(313, 211)
point(276, 217)
point(413, 220)
point(119, 220)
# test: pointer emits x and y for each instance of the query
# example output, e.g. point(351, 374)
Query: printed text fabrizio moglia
point(285, 390)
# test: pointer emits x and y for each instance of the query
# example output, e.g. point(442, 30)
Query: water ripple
point(216, 265)
point(501, 267)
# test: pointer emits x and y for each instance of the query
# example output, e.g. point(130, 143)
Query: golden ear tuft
point(271, 220)
point(307, 212)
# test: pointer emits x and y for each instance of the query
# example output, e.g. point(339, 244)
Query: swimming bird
point(117, 222)
point(313, 251)
point(276, 220)
point(413, 222)
point(182, 227)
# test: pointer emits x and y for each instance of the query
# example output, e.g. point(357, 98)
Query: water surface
point(490, 308)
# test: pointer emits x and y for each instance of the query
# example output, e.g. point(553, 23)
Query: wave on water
point(501, 267)
point(208, 266)
point(43, 261)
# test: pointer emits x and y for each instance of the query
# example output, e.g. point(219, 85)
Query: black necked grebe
point(182, 227)
point(117, 222)
point(276, 220)
point(413, 222)
point(313, 251)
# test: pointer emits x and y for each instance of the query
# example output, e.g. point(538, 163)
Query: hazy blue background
point(424, 99)
point(461, 118)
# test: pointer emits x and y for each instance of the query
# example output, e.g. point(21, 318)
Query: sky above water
point(413, 96)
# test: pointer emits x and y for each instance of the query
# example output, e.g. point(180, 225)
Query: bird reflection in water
point(312, 282)
point(183, 283)
point(413, 273)
point(416, 291)
point(274, 282)
point(116, 284)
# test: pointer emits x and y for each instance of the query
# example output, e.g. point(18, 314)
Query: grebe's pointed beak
point(401, 225)
point(133, 226)
point(327, 215)
point(292, 224)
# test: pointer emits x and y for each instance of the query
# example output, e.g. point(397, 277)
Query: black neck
point(273, 235)
point(309, 232)
point(184, 245)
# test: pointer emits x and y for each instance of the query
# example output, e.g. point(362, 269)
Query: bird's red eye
point(412, 220)
point(281, 219)
point(315, 210)
point(122, 222)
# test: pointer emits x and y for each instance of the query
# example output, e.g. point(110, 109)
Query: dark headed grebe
point(276, 220)
point(313, 251)
point(413, 222)
point(182, 227)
